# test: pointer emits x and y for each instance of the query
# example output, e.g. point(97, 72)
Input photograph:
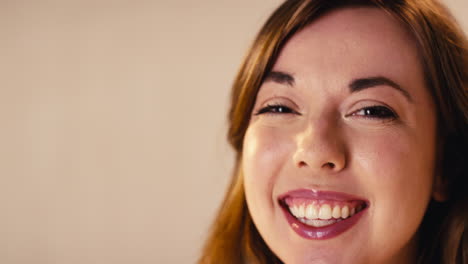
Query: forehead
point(352, 41)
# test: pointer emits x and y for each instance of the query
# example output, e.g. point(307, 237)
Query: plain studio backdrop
point(113, 124)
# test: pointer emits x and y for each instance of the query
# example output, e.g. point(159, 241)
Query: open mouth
point(321, 215)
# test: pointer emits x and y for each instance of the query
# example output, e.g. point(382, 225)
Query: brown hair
point(444, 53)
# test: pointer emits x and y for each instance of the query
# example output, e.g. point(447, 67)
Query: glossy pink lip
point(326, 232)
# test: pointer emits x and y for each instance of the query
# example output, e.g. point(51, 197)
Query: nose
point(320, 147)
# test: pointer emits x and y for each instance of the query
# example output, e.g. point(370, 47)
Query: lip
point(325, 232)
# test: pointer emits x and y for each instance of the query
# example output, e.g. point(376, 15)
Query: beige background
point(112, 139)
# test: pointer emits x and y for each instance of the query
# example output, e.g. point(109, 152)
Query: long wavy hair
point(443, 236)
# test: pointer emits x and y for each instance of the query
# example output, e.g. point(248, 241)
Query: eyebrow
point(355, 85)
point(280, 77)
point(364, 83)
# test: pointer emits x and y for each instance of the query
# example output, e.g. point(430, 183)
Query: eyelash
point(276, 109)
point(387, 114)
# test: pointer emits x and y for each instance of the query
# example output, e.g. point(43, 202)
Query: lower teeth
point(319, 222)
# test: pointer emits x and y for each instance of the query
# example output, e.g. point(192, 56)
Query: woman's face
point(339, 155)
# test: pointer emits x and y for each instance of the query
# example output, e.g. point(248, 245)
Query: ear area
point(439, 189)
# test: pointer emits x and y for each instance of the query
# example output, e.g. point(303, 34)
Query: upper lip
point(321, 195)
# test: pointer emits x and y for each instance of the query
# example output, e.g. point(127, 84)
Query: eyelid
point(391, 117)
point(367, 103)
point(270, 107)
point(279, 100)
point(374, 107)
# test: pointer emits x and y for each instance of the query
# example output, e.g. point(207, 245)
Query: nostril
point(302, 164)
point(329, 164)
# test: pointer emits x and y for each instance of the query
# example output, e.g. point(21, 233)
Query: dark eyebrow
point(364, 83)
point(355, 86)
point(280, 77)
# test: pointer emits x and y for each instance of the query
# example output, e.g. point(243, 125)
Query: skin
point(324, 140)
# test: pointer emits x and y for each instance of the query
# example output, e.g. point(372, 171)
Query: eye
point(376, 112)
point(276, 109)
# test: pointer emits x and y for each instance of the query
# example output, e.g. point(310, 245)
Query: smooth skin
point(309, 130)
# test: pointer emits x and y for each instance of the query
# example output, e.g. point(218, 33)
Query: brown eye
point(276, 109)
point(377, 112)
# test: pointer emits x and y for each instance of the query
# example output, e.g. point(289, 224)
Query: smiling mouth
point(321, 215)
point(318, 213)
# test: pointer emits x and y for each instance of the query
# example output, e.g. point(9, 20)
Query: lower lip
point(325, 232)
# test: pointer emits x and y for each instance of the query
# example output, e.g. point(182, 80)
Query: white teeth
point(301, 211)
point(294, 210)
point(336, 213)
point(311, 212)
point(320, 223)
point(345, 212)
point(325, 212)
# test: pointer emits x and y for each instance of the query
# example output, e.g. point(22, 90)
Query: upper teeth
point(324, 211)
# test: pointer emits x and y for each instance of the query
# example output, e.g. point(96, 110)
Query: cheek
point(397, 168)
point(398, 171)
point(265, 152)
